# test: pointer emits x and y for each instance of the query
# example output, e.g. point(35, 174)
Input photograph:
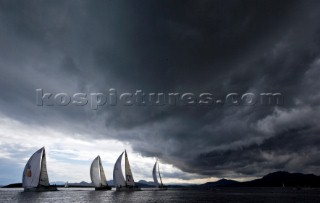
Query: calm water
point(277, 195)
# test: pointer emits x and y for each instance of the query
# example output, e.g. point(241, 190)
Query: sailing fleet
point(35, 175)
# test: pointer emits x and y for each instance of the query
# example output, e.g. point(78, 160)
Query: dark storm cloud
point(166, 46)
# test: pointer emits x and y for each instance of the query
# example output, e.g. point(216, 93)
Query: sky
point(217, 47)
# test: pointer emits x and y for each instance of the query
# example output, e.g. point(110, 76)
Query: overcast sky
point(161, 46)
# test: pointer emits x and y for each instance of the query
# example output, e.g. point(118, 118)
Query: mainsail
point(129, 177)
point(154, 174)
point(35, 172)
point(97, 175)
point(117, 173)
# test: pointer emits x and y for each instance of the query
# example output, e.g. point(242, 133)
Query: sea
point(252, 195)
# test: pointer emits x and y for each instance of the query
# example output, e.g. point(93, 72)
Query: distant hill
point(141, 183)
point(146, 182)
point(219, 183)
point(281, 178)
point(81, 184)
point(13, 185)
point(276, 179)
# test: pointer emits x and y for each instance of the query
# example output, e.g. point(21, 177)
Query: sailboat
point(98, 176)
point(120, 182)
point(158, 185)
point(35, 175)
point(66, 184)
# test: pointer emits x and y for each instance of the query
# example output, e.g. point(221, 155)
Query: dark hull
point(162, 188)
point(102, 188)
point(128, 189)
point(42, 189)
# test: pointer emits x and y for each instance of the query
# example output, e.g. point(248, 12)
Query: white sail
point(32, 170)
point(118, 178)
point(161, 184)
point(95, 172)
point(102, 175)
point(44, 179)
point(154, 174)
point(129, 177)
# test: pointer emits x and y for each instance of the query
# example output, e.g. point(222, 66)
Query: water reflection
point(222, 195)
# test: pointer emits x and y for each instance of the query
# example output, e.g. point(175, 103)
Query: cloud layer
point(166, 46)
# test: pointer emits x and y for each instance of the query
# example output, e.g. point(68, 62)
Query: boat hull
point(41, 189)
point(102, 188)
point(161, 188)
point(128, 189)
